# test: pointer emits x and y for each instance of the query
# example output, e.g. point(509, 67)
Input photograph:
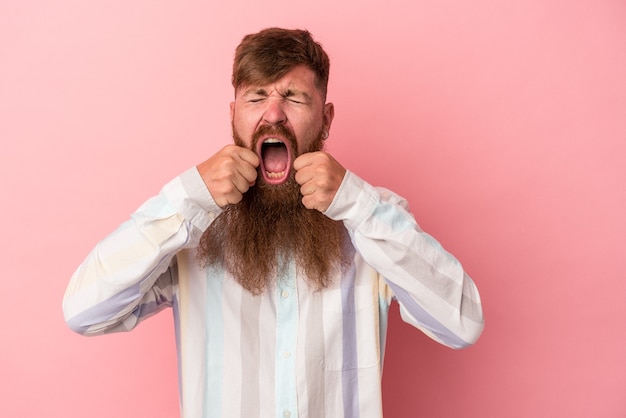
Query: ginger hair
point(266, 56)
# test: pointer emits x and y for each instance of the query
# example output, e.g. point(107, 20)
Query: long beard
point(255, 239)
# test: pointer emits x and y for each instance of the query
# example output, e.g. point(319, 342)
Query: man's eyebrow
point(255, 91)
point(291, 93)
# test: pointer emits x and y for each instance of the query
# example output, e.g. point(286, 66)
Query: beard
point(255, 239)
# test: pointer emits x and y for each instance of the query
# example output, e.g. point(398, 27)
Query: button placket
point(286, 342)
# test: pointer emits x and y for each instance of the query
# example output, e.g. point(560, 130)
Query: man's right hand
point(229, 174)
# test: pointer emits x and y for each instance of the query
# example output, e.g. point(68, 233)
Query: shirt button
point(285, 293)
point(286, 414)
point(286, 354)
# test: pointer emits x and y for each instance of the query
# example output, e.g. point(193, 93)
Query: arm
point(129, 275)
point(434, 292)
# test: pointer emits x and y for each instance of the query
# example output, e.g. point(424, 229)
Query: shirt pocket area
point(351, 329)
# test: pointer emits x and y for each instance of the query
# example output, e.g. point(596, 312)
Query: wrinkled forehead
point(299, 79)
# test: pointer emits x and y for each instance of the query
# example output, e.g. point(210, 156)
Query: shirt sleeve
point(434, 292)
point(129, 275)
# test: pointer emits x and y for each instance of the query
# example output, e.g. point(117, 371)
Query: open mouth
point(275, 160)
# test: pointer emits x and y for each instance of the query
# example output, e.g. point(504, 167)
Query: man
point(279, 264)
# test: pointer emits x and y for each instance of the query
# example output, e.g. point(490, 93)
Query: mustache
point(280, 131)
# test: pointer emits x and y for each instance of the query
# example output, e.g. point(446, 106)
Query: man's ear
point(329, 114)
point(232, 112)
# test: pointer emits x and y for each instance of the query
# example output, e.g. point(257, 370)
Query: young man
point(279, 264)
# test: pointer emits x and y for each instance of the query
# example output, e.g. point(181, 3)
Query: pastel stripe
point(176, 314)
point(287, 319)
point(214, 349)
point(250, 356)
point(314, 357)
point(350, 374)
point(179, 330)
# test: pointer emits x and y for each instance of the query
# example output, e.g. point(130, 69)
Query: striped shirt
point(291, 351)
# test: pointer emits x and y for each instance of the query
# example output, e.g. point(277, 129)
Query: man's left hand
point(319, 176)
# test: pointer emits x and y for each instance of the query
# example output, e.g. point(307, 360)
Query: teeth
point(274, 175)
point(272, 141)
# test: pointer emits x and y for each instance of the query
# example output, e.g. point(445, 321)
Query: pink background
point(502, 122)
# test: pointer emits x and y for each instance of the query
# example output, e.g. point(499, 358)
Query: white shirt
point(291, 351)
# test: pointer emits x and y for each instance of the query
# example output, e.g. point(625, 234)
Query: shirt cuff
point(190, 197)
point(354, 202)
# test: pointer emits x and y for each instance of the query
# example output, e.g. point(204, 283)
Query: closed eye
point(255, 95)
point(296, 96)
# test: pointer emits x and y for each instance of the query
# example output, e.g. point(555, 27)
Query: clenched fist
point(229, 174)
point(319, 176)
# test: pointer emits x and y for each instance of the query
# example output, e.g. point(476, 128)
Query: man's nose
point(274, 113)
